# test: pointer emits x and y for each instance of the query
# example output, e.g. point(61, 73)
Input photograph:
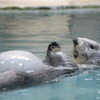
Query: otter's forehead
point(88, 41)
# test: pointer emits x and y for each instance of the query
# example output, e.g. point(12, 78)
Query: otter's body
point(20, 68)
point(17, 79)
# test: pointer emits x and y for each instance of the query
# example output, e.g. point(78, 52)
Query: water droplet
point(2, 62)
point(98, 98)
point(20, 64)
point(12, 62)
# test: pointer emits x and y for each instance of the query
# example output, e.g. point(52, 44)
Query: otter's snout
point(75, 41)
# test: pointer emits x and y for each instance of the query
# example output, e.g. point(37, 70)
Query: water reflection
point(86, 25)
point(32, 33)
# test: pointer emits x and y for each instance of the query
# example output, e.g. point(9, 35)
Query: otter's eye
point(53, 47)
point(92, 47)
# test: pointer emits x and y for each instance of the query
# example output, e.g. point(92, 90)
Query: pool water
point(33, 31)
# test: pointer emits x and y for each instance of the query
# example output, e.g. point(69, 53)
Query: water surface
point(33, 31)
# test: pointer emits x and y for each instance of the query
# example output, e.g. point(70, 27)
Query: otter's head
point(86, 51)
point(55, 56)
point(53, 47)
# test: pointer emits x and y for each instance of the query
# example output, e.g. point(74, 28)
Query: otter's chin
point(75, 53)
point(78, 58)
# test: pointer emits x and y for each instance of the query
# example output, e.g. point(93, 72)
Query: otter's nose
point(75, 41)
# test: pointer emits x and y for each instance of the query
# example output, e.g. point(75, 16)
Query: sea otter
point(86, 52)
point(20, 68)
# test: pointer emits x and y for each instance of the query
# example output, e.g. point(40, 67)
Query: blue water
point(33, 31)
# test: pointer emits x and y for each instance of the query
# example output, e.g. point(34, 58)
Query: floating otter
point(19, 68)
point(87, 52)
